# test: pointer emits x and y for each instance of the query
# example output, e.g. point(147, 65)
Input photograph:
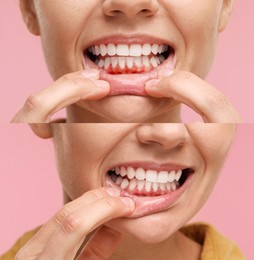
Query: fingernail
point(113, 192)
point(128, 202)
point(91, 73)
point(101, 84)
point(163, 73)
point(152, 83)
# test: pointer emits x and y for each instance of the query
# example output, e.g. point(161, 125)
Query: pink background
point(30, 192)
point(23, 71)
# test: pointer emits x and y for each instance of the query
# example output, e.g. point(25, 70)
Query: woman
point(139, 184)
point(127, 61)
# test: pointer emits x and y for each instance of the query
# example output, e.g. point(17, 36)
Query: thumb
point(102, 244)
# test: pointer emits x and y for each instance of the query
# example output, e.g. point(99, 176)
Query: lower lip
point(146, 205)
point(129, 84)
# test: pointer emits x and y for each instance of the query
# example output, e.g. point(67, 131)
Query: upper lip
point(152, 166)
point(129, 39)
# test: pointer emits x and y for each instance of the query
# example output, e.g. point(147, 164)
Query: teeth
point(129, 61)
point(123, 172)
point(148, 186)
point(141, 185)
point(178, 175)
point(111, 49)
point(133, 184)
point(122, 50)
point(147, 49)
point(121, 62)
point(146, 180)
point(131, 173)
point(137, 61)
point(134, 50)
point(163, 177)
point(153, 176)
point(124, 184)
point(140, 174)
point(103, 49)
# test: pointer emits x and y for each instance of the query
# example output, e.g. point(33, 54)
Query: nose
point(130, 8)
point(165, 135)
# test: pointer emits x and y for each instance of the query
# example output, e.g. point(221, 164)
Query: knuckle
point(71, 224)
point(112, 204)
point(182, 75)
point(61, 215)
point(33, 102)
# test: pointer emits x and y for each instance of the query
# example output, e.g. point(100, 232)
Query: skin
point(191, 26)
point(82, 172)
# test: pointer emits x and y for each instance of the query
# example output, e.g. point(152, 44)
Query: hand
point(62, 236)
point(189, 89)
point(69, 89)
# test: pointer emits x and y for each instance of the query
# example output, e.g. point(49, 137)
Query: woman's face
point(168, 169)
point(129, 42)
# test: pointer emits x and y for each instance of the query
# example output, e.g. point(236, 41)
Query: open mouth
point(129, 58)
point(142, 182)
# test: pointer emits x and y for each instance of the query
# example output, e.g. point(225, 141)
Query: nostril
point(146, 12)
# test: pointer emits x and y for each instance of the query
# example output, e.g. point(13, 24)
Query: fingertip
point(91, 74)
point(102, 84)
point(128, 202)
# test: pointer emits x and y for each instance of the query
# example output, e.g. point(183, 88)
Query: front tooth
point(140, 174)
point(114, 62)
point(124, 184)
point(171, 176)
point(146, 61)
point(148, 186)
point(137, 61)
point(119, 181)
point(129, 61)
point(111, 49)
point(133, 184)
point(121, 62)
point(122, 50)
point(162, 186)
point(146, 49)
point(107, 63)
point(123, 171)
point(151, 176)
point(168, 186)
point(153, 61)
point(178, 175)
point(155, 186)
point(155, 49)
point(130, 173)
point(141, 185)
point(103, 49)
point(101, 63)
point(135, 50)
point(163, 177)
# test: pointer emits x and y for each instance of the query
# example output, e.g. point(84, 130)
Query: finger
point(203, 98)
point(38, 242)
point(66, 241)
point(102, 245)
point(66, 91)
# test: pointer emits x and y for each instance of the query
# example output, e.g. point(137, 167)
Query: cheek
point(197, 22)
point(61, 23)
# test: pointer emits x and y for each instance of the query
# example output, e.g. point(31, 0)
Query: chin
point(151, 229)
point(125, 108)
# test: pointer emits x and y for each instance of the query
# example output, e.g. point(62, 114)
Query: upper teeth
point(149, 175)
point(134, 50)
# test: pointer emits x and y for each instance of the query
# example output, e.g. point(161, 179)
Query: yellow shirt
point(214, 245)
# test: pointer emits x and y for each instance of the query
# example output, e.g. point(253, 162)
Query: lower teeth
point(118, 65)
